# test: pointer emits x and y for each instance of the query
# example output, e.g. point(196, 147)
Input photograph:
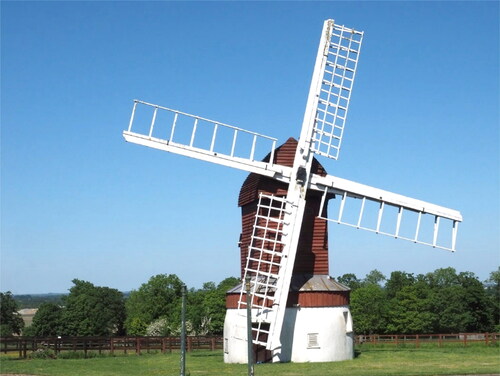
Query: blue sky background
point(77, 201)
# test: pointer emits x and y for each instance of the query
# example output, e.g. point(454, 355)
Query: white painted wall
point(330, 327)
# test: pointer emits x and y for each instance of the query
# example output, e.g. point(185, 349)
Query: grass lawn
point(371, 361)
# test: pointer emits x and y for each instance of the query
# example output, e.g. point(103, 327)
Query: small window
point(226, 346)
point(312, 341)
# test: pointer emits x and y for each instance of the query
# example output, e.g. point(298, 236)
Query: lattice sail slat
point(395, 216)
point(264, 261)
point(334, 89)
point(197, 137)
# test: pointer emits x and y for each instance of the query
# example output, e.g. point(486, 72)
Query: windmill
point(278, 219)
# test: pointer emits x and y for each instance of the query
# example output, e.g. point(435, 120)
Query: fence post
point(465, 339)
point(440, 340)
point(417, 343)
point(138, 345)
point(183, 329)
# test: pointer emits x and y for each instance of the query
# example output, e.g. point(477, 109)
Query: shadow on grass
point(204, 355)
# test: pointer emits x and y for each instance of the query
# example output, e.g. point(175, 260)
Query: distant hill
point(35, 300)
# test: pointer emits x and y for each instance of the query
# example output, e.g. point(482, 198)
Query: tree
point(397, 281)
point(159, 298)
point(350, 280)
point(450, 309)
point(375, 277)
point(410, 311)
point(215, 305)
point(369, 309)
point(207, 306)
point(493, 291)
point(47, 321)
point(459, 302)
point(443, 277)
point(93, 311)
point(480, 311)
point(11, 321)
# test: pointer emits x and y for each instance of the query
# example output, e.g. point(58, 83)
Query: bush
point(43, 354)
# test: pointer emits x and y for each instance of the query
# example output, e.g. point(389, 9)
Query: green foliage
point(29, 331)
point(493, 292)
point(136, 326)
point(11, 321)
point(159, 298)
point(442, 301)
point(92, 311)
point(369, 309)
point(350, 280)
point(397, 281)
point(410, 310)
point(375, 277)
point(207, 306)
point(43, 354)
point(47, 321)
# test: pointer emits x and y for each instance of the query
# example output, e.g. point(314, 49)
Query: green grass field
point(371, 361)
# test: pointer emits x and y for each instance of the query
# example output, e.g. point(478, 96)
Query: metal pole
point(249, 327)
point(183, 332)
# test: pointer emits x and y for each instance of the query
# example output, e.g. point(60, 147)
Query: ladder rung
point(331, 83)
point(343, 48)
point(264, 261)
point(268, 240)
point(270, 219)
point(270, 229)
point(260, 272)
point(263, 296)
point(267, 251)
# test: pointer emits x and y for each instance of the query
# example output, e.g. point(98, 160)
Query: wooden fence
point(419, 339)
point(26, 345)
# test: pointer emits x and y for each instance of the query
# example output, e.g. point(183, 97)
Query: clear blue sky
point(77, 201)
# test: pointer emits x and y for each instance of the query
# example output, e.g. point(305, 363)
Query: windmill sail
point(325, 113)
point(193, 136)
point(393, 214)
point(264, 261)
point(278, 221)
point(331, 87)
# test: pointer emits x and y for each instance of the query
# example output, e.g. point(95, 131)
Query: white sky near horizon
point(77, 201)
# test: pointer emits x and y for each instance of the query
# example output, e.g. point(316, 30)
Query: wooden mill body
point(311, 287)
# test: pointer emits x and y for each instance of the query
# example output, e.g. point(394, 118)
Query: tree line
point(442, 301)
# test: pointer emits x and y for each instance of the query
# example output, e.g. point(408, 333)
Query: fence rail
point(26, 345)
point(418, 339)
